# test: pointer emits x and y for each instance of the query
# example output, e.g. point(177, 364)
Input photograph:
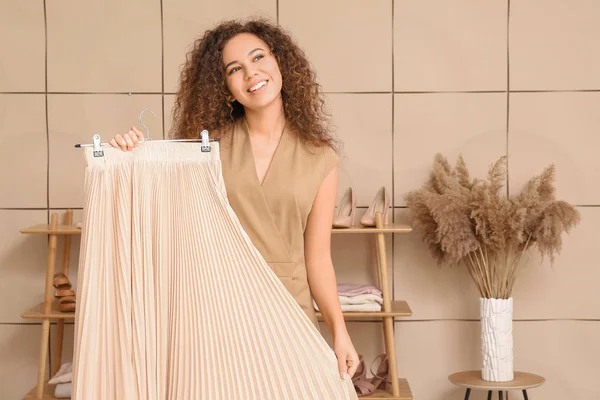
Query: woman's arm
point(321, 276)
point(317, 253)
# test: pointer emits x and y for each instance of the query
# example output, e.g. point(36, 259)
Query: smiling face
point(252, 73)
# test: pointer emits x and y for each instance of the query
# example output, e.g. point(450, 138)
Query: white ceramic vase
point(496, 339)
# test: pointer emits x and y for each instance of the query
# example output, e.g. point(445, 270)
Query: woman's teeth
point(257, 86)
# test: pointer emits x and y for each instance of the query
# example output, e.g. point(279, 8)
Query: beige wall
point(404, 80)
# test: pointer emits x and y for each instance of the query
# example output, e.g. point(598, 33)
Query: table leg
point(468, 393)
point(489, 395)
point(500, 394)
point(525, 395)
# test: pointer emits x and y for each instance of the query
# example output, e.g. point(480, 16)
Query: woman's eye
point(232, 70)
point(258, 57)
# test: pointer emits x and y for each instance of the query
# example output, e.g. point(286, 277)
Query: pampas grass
point(471, 221)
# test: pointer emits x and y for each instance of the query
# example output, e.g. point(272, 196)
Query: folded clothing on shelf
point(361, 299)
point(64, 374)
point(369, 307)
point(353, 289)
point(354, 297)
point(63, 390)
point(62, 379)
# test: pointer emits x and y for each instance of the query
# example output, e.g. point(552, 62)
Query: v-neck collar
point(274, 158)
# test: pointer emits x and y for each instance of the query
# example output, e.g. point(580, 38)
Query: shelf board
point(46, 229)
point(37, 312)
point(400, 308)
point(405, 393)
point(48, 393)
point(390, 228)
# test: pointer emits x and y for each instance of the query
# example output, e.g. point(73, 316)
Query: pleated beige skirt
point(174, 301)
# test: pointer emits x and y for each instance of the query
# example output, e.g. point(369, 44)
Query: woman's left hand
point(346, 355)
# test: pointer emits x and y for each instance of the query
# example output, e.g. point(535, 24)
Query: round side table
point(472, 380)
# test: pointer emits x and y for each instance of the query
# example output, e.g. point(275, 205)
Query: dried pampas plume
point(472, 221)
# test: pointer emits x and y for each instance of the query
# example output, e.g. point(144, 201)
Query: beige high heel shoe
point(344, 217)
point(381, 203)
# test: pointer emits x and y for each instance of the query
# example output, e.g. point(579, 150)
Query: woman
point(251, 85)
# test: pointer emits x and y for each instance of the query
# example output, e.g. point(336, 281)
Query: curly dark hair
point(202, 98)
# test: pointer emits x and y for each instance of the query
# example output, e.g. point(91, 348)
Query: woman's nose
point(250, 73)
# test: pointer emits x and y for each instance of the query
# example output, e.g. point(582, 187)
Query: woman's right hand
point(127, 141)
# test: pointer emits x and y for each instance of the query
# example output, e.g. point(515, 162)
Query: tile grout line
point(46, 106)
point(348, 92)
point(277, 11)
point(399, 320)
point(35, 323)
point(555, 91)
point(80, 208)
point(514, 320)
point(507, 98)
point(162, 70)
point(48, 361)
point(40, 208)
point(393, 167)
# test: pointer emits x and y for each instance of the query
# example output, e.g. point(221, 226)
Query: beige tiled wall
point(403, 80)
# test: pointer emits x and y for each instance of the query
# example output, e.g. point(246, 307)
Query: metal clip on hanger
point(205, 144)
point(204, 138)
point(98, 152)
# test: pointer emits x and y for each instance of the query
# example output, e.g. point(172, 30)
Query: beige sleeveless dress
point(274, 214)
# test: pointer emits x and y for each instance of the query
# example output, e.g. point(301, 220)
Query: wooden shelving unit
point(48, 310)
point(404, 393)
point(38, 312)
point(389, 228)
point(399, 308)
point(400, 389)
point(46, 393)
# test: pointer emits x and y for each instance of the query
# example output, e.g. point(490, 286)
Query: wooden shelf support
point(48, 310)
